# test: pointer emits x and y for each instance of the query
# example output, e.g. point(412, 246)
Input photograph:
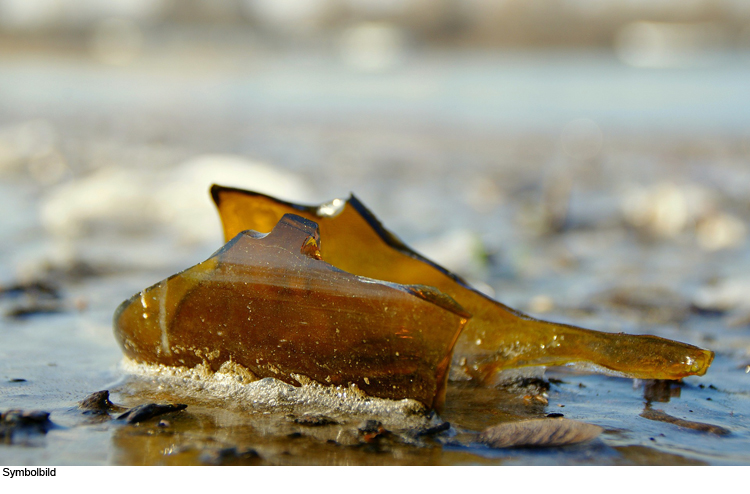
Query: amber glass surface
point(497, 337)
point(268, 303)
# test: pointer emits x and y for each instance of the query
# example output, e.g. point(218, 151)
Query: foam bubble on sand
point(238, 387)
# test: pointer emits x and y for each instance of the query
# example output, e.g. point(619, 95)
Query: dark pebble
point(17, 380)
point(25, 418)
point(709, 312)
point(144, 412)
point(555, 415)
point(34, 289)
point(314, 420)
point(370, 430)
point(22, 311)
point(532, 385)
point(369, 426)
point(229, 456)
point(431, 431)
point(97, 403)
point(13, 421)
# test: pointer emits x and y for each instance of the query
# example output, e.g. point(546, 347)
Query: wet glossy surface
point(268, 303)
point(497, 337)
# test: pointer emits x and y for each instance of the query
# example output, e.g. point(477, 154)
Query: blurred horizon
point(516, 66)
point(476, 23)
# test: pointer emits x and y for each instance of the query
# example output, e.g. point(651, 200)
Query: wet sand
point(591, 215)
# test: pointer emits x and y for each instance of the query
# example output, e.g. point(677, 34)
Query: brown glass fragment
point(269, 304)
point(497, 337)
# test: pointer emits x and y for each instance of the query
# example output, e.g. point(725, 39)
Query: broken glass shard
point(268, 303)
point(497, 337)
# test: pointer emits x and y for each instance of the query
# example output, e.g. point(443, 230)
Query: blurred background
point(470, 127)
point(583, 160)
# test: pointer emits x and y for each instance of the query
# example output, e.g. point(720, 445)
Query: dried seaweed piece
point(539, 433)
point(662, 416)
point(269, 304)
point(497, 337)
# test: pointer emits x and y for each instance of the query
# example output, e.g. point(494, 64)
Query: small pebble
point(431, 431)
point(314, 420)
point(370, 426)
point(541, 304)
point(28, 309)
point(144, 412)
point(13, 421)
point(96, 403)
point(371, 430)
point(229, 455)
